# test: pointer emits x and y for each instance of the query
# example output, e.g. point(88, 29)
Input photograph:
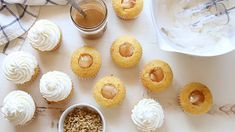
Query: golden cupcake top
point(86, 62)
point(126, 51)
point(157, 76)
point(128, 9)
point(109, 91)
point(195, 98)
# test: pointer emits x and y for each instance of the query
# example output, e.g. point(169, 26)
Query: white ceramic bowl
point(161, 18)
point(80, 105)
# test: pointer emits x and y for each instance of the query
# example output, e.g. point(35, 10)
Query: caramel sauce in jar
point(94, 23)
point(94, 16)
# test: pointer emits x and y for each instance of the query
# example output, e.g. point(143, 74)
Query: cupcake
point(195, 98)
point(18, 107)
point(109, 91)
point(86, 62)
point(128, 9)
point(126, 51)
point(20, 67)
point(156, 76)
point(148, 115)
point(45, 36)
point(56, 87)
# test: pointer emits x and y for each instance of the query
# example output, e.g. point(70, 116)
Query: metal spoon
point(75, 5)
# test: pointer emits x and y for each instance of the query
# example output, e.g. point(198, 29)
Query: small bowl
point(80, 105)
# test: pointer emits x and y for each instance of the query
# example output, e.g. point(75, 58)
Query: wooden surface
point(216, 72)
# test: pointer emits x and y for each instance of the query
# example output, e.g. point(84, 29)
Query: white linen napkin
point(34, 2)
point(16, 18)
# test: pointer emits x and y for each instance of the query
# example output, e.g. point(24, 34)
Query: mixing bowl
point(176, 35)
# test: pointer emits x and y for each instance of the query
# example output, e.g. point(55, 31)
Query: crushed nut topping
point(83, 120)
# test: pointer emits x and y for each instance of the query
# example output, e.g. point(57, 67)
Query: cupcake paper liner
point(162, 85)
point(87, 78)
point(134, 60)
point(107, 103)
point(199, 112)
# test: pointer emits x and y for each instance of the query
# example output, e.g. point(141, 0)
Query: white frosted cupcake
point(18, 107)
point(20, 67)
point(45, 36)
point(56, 87)
point(148, 115)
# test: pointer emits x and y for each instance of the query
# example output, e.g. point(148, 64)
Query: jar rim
point(94, 27)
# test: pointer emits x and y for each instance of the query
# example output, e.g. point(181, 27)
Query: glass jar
point(94, 24)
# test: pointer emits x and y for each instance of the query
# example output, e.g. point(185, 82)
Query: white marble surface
point(216, 72)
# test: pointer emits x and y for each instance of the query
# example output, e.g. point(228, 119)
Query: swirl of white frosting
point(19, 67)
point(44, 35)
point(55, 86)
point(148, 115)
point(18, 107)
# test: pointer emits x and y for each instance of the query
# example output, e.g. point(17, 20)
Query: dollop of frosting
point(148, 115)
point(19, 67)
point(44, 35)
point(55, 86)
point(18, 107)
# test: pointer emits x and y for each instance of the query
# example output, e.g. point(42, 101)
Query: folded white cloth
point(16, 18)
point(35, 2)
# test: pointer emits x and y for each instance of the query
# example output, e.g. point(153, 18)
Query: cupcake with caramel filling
point(109, 91)
point(128, 9)
point(86, 62)
point(157, 76)
point(195, 98)
point(126, 51)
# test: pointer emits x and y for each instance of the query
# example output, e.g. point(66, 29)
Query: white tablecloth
point(217, 73)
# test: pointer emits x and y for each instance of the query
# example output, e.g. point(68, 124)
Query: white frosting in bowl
point(178, 35)
point(44, 35)
point(55, 86)
point(148, 115)
point(19, 67)
point(18, 107)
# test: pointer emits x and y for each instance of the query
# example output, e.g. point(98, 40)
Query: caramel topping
point(85, 61)
point(126, 50)
point(127, 4)
point(109, 91)
point(196, 97)
point(94, 16)
point(157, 74)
